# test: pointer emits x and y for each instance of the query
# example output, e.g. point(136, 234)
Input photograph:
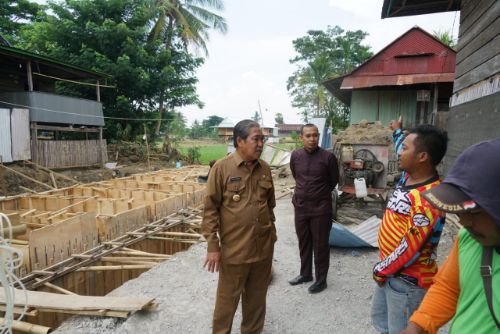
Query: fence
point(71, 153)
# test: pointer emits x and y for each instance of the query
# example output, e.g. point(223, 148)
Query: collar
point(239, 160)
point(313, 151)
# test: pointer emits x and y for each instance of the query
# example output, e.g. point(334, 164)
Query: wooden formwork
point(90, 239)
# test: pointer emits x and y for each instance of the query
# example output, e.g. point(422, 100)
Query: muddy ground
point(185, 292)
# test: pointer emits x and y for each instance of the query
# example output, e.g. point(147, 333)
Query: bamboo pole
point(26, 327)
point(53, 179)
point(51, 171)
point(26, 177)
point(58, 288)
point(118, 267)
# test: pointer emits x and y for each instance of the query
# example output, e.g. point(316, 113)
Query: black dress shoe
point(317, 287)
point(300, 279)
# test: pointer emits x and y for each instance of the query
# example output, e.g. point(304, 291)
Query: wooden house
point(474, 107)
point(34, 119)
point(285, 130)
point(411, 77)
point(225, 131)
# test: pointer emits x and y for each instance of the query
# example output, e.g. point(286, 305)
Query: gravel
point(186, 293)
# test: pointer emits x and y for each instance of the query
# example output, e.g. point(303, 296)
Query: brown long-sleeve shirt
point(316, 174)
point(238, 218)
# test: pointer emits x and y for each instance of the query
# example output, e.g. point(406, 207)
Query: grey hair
point(242, 130)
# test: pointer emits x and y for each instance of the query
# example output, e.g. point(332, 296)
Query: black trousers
point(313, 234)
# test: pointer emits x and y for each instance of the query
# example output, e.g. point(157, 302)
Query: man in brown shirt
point(238, 223)
point(316, 174)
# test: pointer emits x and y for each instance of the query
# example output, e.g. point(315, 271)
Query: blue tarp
point(342, 237)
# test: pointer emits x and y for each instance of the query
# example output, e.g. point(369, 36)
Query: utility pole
point(261, 116)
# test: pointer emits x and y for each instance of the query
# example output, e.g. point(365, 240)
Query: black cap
point(473, 181)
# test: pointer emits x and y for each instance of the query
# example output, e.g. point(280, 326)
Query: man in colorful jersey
point(410, 230)
point(471, 190)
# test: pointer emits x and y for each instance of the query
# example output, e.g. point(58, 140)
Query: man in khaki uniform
point(238, 223)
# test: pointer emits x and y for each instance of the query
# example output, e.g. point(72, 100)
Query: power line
point(76, 114)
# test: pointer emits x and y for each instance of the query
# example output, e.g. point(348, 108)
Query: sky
point(250, 64)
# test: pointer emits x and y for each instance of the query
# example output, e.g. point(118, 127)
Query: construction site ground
point(186, 292)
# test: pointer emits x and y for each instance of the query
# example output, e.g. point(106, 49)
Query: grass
point(208, 151)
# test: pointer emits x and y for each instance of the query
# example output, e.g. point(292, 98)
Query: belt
point(408, 279)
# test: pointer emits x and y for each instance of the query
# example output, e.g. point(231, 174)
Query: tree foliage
point(446, 37)
point(112, 37)
point(192, 19)
point(205, 129)
point(14, 14)
point(278, 118)
point(322, 55)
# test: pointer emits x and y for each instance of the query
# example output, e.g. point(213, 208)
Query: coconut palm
point(190, 18)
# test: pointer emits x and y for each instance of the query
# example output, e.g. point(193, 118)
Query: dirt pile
point(365, 133)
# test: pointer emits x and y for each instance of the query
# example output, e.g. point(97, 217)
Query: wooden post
point(98, 91)
point(147, 146)
point(34, 143)
point(30, 76)
point(101, 144)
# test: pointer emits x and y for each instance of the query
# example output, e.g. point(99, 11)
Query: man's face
point(482, 227)
point(251, 148)
point(310, 138)
point(408, 156)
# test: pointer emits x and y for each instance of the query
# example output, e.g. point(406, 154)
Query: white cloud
point(360, 8)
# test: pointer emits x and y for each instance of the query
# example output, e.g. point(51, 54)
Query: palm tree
point(193, 22)
point(190, 18)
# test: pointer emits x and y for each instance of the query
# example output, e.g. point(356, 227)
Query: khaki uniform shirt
point(238, 218)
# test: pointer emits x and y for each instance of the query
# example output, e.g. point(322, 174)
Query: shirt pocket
point(264, 188)
point(234, 193)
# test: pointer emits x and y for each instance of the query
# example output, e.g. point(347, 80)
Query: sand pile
point(365, 133)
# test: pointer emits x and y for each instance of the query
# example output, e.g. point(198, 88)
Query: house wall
point(383, 105)
point(478, 56)
point(53, 108)
point(474, 114)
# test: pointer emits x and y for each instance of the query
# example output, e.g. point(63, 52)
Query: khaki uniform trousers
point(250, 281)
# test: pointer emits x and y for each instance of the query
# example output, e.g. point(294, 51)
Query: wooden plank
point(471, 11)
point(481, 72)
point(479, 25)
point(26, 177)
point(26, 327)
point(50, 301)
point(485, 37)
point(489, 49)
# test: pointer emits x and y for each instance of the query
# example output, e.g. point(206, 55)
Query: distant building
point(225, 131)
point(412, 77)
point(285, 130)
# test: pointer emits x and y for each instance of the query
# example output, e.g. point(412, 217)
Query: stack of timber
point(89, 239)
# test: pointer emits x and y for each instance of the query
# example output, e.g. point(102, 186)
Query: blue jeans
point(393, 304)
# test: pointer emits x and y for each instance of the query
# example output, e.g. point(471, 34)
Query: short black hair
point(432, 140)
point(308, 125)
point(242, 130)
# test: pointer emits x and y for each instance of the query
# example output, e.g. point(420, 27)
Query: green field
point(208, 151)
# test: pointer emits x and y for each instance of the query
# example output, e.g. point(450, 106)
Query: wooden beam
point(98, 91)
point(34, 142)
point(26, 177)
point(118, 267)
point(66, 128)
point(29, 74)
point(48, 170)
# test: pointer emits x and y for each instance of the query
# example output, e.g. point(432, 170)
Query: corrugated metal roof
point(226, 123)
point(288, 127)
point(415, 57)
point(5, 137)
point(27, 55)
point(393, 8)
point(414, 52)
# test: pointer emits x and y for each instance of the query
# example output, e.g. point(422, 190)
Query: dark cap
point(473, 181)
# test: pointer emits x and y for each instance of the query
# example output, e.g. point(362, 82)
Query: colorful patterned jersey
point(409, 233)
